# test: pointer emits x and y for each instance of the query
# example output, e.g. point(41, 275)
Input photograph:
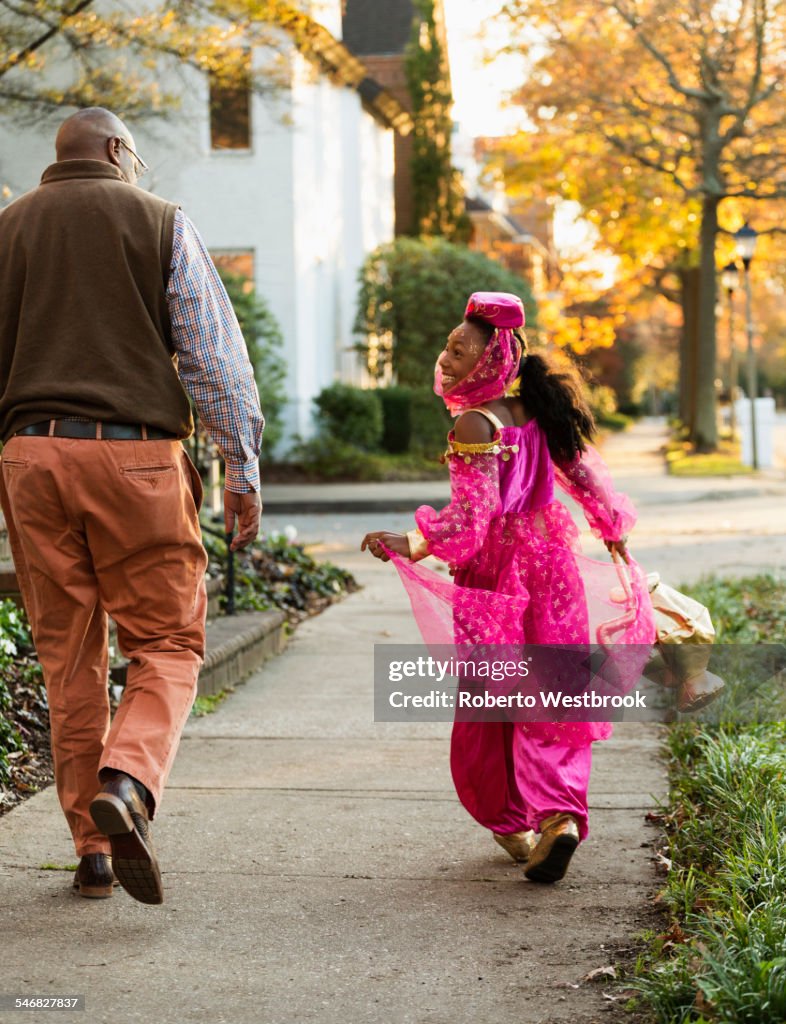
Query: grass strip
point(722, 954)
point(682, 460)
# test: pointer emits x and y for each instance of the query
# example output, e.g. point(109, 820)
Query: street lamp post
point(730, 279)
point(745, 239)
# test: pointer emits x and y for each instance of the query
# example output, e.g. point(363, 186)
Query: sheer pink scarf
point(498, 366)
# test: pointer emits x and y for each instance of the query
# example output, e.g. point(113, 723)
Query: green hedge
point(396, 418)
point(349, 414)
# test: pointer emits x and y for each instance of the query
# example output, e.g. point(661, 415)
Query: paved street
point(687, 527)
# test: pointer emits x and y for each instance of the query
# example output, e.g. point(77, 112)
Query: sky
point(479, 91)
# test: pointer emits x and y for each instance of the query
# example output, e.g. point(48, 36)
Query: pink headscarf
point(498, 366)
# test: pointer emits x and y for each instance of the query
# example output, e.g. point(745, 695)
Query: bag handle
point(623, 573)
point(607, 631)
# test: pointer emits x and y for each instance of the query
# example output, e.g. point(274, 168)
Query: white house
point(294, 192)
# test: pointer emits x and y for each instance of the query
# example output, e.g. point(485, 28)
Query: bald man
point(111, 313)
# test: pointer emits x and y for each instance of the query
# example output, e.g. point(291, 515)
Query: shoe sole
point(94, 892)
point(554, 865)
point(698, 703)
point(519, 858)
point(133, 863)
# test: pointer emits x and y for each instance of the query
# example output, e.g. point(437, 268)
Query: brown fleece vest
point(84, 326)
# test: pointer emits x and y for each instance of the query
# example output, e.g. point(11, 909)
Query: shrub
point(14, 640)
point(396, 418)
point(330, 458)
point(415, 291)
point(431, 422)
point(350, 415)
point(264, 343)
point(602, 401)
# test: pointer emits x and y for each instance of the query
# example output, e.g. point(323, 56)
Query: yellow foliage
point(624, 136)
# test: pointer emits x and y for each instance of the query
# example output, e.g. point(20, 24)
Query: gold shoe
point(518, 844)
point(559, 837)
point(698, 691)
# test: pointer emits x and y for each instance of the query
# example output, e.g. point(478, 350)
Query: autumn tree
point(649, 227)
point(56, 53)
point(688, 96)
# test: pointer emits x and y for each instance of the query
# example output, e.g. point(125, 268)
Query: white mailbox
point(765, 430)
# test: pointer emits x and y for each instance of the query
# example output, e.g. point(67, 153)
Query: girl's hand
point(620, 546)
point(394, 541)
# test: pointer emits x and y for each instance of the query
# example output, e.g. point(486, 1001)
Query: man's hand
point(393, 541)
point(246, 509)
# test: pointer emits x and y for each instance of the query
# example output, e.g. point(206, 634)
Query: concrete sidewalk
point(318, 868)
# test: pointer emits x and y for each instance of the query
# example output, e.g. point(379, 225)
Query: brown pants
point(97, 528)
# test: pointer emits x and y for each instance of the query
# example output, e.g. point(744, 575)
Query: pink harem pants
point(510, 781)
point(103, 527)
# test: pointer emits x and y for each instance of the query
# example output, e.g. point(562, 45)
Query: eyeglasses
point(141, 167)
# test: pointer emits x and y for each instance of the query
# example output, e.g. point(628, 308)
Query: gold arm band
point(418, 545)
point(459, 447)
point(466, 451)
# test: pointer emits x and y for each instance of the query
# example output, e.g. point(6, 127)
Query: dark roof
point(334, 59)
point(474, 204)
point(377, 26)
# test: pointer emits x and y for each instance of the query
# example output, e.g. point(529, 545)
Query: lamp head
point(745, 240)
point(730, 277)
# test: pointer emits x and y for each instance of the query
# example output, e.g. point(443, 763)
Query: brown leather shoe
point(94, 877)
point(559, 837)
point(120, 814)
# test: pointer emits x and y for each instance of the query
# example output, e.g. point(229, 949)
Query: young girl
point(519, 575)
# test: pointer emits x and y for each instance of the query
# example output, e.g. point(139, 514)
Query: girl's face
point(464, 348)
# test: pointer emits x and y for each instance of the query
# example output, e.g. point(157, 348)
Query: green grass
point(681, 460)
point(751, 609)
point(615, 421)
point(207, 705)
point(721, 956)
point(57, 867)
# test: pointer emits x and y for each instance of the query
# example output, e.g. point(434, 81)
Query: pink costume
point(520, 577)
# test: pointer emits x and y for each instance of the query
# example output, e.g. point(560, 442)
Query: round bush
point(430, 422)
point(349, 414)
point(396, 418)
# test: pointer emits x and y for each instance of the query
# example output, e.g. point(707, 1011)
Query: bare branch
point(634, 23)
point(21, 55)
point(654, 165)
point(756, 96)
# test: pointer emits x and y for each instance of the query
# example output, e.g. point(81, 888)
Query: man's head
point(98, 134)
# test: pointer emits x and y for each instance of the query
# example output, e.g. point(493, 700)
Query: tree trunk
point(689, 346)
point(705, 431)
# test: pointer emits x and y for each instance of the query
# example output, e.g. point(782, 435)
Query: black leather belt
point(94, 430)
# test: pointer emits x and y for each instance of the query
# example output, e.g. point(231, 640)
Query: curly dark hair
point(554, 395)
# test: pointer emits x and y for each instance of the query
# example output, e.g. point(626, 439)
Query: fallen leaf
point(600, 972)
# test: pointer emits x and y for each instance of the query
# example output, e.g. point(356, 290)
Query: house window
point(230, 110)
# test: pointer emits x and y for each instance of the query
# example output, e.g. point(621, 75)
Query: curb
point(350, 506)
point(236, 646)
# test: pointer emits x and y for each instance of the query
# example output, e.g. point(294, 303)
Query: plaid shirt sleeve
point(213, 361)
